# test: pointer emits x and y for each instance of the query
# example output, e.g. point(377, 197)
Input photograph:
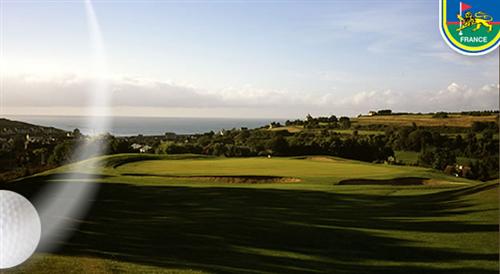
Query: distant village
point(26, 149)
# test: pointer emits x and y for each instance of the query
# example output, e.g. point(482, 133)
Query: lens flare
point(61, 205)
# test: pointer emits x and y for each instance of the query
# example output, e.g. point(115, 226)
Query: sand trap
point(322, 159)
point(406, 181)
point(250, 179)
point(319, 158)
point(230, 179)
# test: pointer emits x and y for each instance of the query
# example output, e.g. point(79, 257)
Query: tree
point(459, 142)
point(418, 139)
point(480, 126)
point(218, 149)
point(61, 154)
point(426, 158)
point(40, 155)
point(443, 158)
point(384, 112)
point(479, 171)
point(345, 122)
point(18, 143)
point(76, 133)
point(279, 145)
point(487, 134)
point(440, 115)
point(118, 145)
point(333, 119)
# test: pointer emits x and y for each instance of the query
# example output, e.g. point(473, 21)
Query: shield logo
point(472, 27)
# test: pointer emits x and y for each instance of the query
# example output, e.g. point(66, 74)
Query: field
point(196, 214)
point(453, 120)
point(407, 157)
point(295, 129)
point(421, 120)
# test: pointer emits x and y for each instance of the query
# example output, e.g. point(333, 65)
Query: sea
point(130, 126)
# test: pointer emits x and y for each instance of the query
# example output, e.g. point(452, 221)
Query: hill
point(10, 126)
point(424, 120)
point(191, 214)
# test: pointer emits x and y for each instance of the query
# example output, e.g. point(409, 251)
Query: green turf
point(163, 224)
point(407, 157)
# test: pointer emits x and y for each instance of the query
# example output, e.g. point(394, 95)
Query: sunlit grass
point(151, 217)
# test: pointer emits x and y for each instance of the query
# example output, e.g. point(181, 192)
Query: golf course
point(206, 214)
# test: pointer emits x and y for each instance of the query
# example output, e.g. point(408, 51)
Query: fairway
point(314, 172)
point(172, 214)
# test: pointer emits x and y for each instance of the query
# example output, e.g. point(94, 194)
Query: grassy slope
point(10, 124)
point(314, 172)
point(423, 120)
point(455, 120)
point(163, 225)
point(407, 157)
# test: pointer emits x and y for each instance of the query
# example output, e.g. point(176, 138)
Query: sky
point(237, 59)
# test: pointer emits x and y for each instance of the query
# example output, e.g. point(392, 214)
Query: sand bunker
point(406, 181)
point(319, 158)
point(230, 179)
point(322, 159)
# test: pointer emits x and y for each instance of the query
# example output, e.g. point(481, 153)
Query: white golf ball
point(20, 229)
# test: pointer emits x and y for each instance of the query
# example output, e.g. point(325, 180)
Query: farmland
point(201, 214)
point(426, 120)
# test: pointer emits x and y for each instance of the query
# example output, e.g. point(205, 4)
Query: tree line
point(318, 136)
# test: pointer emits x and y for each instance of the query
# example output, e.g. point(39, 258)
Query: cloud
point(454, 97)
point(464, 97)
point(71, 90)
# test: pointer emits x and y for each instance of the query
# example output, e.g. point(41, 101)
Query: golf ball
point(20, 229)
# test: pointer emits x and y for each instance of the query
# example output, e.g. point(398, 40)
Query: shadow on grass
point(246, 230)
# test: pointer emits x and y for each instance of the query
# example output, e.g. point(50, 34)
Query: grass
point(162, 224)
point(454, 120)
point(295, 129)
point(407, 157)
point(291, 129)
point(423, 120)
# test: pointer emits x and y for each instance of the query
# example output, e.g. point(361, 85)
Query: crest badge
point(471, 27)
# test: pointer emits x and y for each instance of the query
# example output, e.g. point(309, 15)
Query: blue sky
point(280, 59)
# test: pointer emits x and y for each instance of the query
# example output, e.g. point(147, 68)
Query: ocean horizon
point(130, 126)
